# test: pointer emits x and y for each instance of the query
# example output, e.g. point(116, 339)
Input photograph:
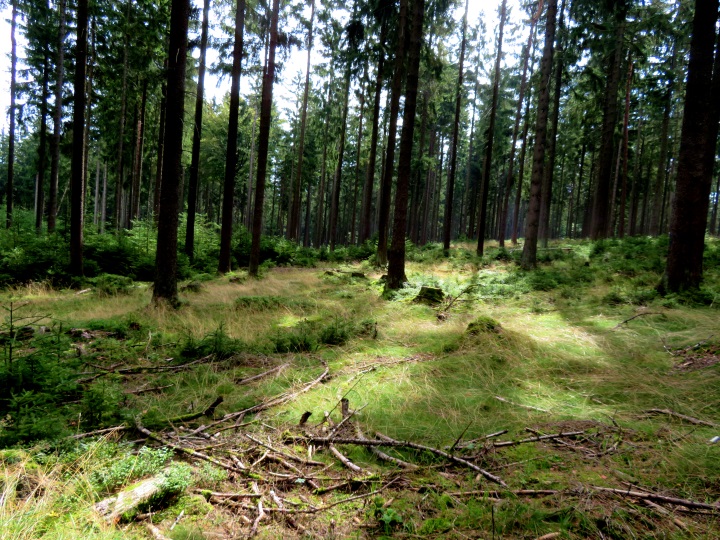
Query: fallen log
point(113, 508)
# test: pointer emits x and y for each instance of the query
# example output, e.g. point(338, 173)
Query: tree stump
point(430, 295)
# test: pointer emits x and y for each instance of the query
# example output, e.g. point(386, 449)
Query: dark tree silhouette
point(165, 289)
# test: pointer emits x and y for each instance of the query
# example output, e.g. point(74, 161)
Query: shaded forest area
point(568, 120)
point(462, 283)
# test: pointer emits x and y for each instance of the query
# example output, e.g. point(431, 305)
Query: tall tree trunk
point(395, 91)
point(224, 264)
point(337, 182)
point(160, 152)
point(293, 231)
point(516, 128)
point(601, 215)
point(429, 191)
point(366, 212)
point(42, 146)
point(251, 167)
point(138, 159)
point(77, 168)
point(487, 165)
point(119, 191)
point(165, 289)
point(264, 141)
point(529, 254)
point(96, 194)
point(684, 268)
point(544, 231)
point(11, 142)
point(626, 138)
point(661, 178)
point(396, 254)
point(103, 205)
point(57, 121)
point(521, 174)
point(353, 216)
point(447, 229)
point(197, 136)
point(714, 216)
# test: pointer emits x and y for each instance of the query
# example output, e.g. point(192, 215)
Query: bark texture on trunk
point(395, 91)
point(447, 229)
point(224, 264)
point(77, 167)
point(697, 154)
point(529, 254)
point(57, 122)
point(9, 189)
point(264, 141)
point(197, 136)
point(396, 254)
point(165, 289)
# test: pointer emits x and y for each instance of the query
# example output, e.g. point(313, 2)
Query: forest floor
point(567, 402)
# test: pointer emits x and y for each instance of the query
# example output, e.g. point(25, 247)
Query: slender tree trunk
point(396, 254)
point(601, 215)
point(9, 189)
point(165, 289)
point(714, 218)
point(395, 91)
point(293, 231)
point(335, 202)
point(626, 139)
point(447, 229)
point(516, 130)
point(77, 168)
point(138, 159)
point(160, 152)
point(529, 254)
point(684, 269)
point(197, 136)
point(487, 165)
point(96, 195)
point(251, 167)
point(42, 146)
point(264, 141)
point(544, 231)
point(57, 121)
point(660, 179)
point(224, 264)
point(366, 212)
point(119, 191)
point(353, 217)
point(90, 74)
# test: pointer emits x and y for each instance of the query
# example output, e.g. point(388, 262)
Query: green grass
point(548, 342)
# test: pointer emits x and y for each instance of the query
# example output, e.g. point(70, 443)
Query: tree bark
point(544, 230)
point(224, 264)
point(366, 212)
point(485, 184)
point(138, 159)
point(529, 254)
point(9, 189)
point(447, 228)
point(42, 146)
point(601, 219)
point(335, 202)
point(697, 155)
point(264, 141)
point(165, 289)
point(396, 254)
point(119, 191)
point(395, 91)
point(626, 139)
point(516, 130)
point(57, 121)
point(197, 136)
point(77, 168)
point(160, 152)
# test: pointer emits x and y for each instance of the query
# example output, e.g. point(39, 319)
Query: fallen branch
point(500, 494)
point(127, 500)
point(503, 444)
point(98, 432)
point(387, 441)
point(219, 495)
point(344, 460)
point(658, 498)
point(148, 390)
point(635, 317)
point(289, 456)
point(386, 457)
point(155, 532)
point(529, 407)
point(261, 375)
point(685, 417)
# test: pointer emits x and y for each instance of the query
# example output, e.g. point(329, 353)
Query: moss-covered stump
point(430, 295)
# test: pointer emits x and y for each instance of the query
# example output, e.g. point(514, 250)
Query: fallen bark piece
point(155, 532)
point(113, 508)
